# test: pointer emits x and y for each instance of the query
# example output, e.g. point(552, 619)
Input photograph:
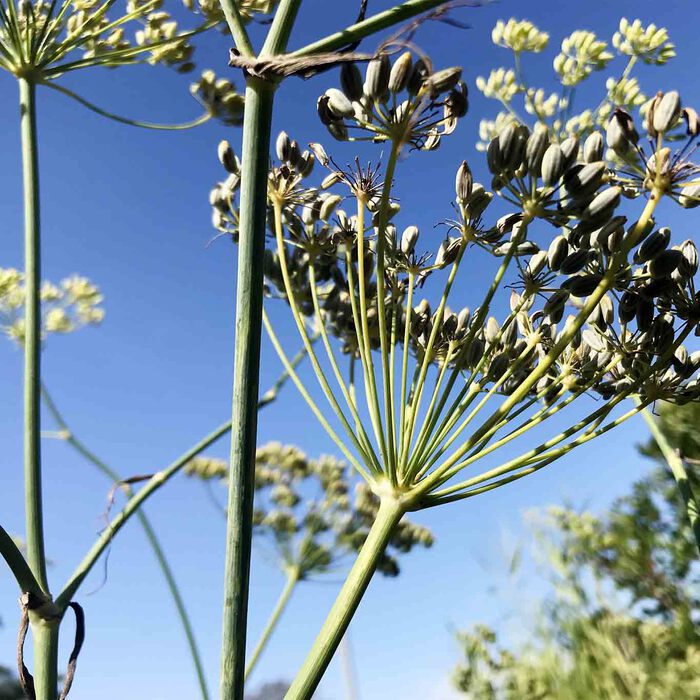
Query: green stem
point(390, 513)
point(32, 335)
point(131, 507)
point(389, 414)
point(371, 25)
point(45, 636)
point(278, 36)
point(257, 126)
point(236, 26)
point(292, 580)
point(675, 464)
point(14, 558)
point(202, 119)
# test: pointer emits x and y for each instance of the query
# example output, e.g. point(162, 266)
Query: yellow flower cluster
point(68, 306)
point(519, 35)
point(501, 85)
point(581, 53)
point(649, 43)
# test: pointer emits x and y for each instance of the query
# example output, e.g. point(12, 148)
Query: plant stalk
point(256, 147)
point(280, 606)
point(45, 636)
point(675, 464)
point(32, 335)
point(390, 513)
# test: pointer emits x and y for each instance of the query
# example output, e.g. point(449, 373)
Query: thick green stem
point(292, 580)
point(45, 671)
point(675, 464)
point(256, 147)
point(32, 335)
point(336, 624)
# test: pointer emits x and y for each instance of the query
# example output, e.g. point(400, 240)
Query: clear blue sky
point(129, 209)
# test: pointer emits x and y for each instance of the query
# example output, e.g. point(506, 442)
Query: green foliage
point(680, 426)
point(623, 621)
point(10, 689)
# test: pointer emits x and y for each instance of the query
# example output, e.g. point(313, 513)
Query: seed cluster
point(406, 100)
point(310, 512)
point(602, 301)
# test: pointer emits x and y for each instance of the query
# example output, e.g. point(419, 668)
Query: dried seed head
point(351, 81)
point(376, 85)
point(621, 135)
point(690, 196)
point(666, 112)
point(400, 72)
point(569, 149)
point(557, 252)
point(443, 81)
point(338, 104)
point(283, 146)
point(464, 183)
point(228, 159)
point(653, 245)
point(552, 165)
point(593, 147)
point(692, 121)
point(409, 238)
point(535, 149)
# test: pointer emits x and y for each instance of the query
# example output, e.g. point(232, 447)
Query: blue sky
point(129, 209)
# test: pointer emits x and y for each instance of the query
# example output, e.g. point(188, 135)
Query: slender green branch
point(82, 449)
point(364, 325)
point(309, 400)
point(371, 25)
point(32, 335)
point(368, 449)
point(125, 120)
point(14, 558)
point(296, 314)
point(389, 412)
point(675, 464)
point(390, 513)
point(237, 27)
point(278, 36)
point(132, 505)
point(280, 606)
